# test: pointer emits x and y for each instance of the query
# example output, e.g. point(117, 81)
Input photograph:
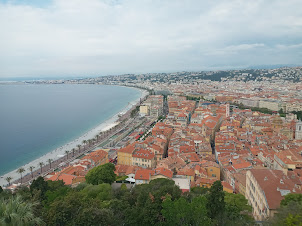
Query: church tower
point(298, 134)
point(227, 110)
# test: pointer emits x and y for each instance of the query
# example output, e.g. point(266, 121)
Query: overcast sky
point(100, 37)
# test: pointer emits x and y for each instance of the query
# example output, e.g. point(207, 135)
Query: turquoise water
point(36, 119)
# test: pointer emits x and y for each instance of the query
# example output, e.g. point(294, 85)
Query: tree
point(31, 168)
point(290, 211)
point(124, 187)
point(41, 165)
point(215, 200)
point(97, 137)
point(181, 212)
point(100, 191)
point(84, 142)
point(237, 211)
point(101, 174)
point(15, 211)
point(73, 150)
point(8, 179)
point(67, 152)
point(146, 201)
point(75, 209)
point(21, 170)
point(49, 161)
point(79, 147)
point(291, 198)
point(1, 189)
point(41, 185)
point(90, 142)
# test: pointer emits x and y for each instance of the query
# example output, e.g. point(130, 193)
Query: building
point(124, 155)
point(143, 158)
point(265, 189)
point(298, 133)
point(144, 110)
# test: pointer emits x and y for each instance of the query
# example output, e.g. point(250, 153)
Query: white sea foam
point(59, 152)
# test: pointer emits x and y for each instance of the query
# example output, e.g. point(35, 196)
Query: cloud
point(97, 37)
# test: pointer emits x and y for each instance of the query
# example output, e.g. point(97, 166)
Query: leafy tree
point(101, 192)
point(15, 211)
point(237, 211)
point(101, 174)
point(290, 214)
point(291, 198)
point(215, 200)
point(41, 185)
point(1, 189)
point(290, 211)
point(56, 190)
point(238, 201)
point(182, 212)
point(123, 187)
point(146, 201)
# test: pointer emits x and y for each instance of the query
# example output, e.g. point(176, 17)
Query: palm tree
point(84, 142)
point(41, 165)
point(49, 161)
point(21, 170)
point(31, 170)
point(97, 137)
point(89, 142)
point(73, 150)
point(15, 211)
point(67, 152)
point(79, 147)
point(8, 179)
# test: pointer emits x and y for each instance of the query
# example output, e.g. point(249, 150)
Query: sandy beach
point(60, 151)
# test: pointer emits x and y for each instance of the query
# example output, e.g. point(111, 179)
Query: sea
point(37, 119)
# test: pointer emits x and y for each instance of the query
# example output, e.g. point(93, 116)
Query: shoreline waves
point(60, 151)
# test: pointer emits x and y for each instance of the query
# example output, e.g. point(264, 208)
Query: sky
point(42, 38)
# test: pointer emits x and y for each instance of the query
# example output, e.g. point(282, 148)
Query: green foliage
point(262, 110)
point(101, 174)
point(39, 185)
point(238, 201)
point(291, 198)
point(52, 195)
point(215, 200)
point(237, 211)
point(290, 211)
point(1, 189)
point(121, 178)
point(299, 114)
point(182, 212)
point(123, 187)
point(101, 192)
point(134, 111)
point(192, 98)
point(290, 214)
point(146, 201)
point(15, 211)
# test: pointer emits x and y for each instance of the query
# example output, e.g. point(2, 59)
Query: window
point(213, 175)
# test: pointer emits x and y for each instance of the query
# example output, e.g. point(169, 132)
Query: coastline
point(60, 151)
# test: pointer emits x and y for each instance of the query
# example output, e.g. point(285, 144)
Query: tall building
point(298, 134)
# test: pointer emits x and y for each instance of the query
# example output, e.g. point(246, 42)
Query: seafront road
point(64, 161)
